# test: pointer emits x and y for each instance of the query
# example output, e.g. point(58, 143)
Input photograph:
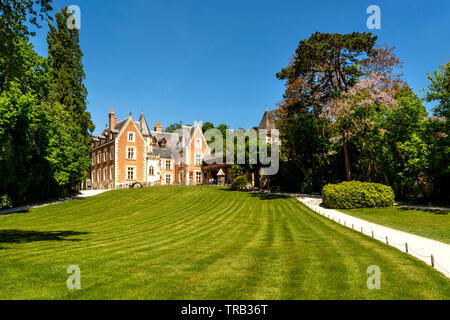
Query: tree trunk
point(348, 165)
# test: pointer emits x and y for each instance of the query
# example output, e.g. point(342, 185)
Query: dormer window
point(154, 142)
point(163, 143)
point(131, 136)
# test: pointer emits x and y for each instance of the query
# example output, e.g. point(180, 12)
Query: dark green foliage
point(324, 65)
point(5, 201)
point(355, 194)
point(44, 125)
point(172, 128)
point(206, 126)
point(239, 183)
point(136, 185)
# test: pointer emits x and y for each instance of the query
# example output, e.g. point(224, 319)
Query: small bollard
point(373, 236)
point(406, 247)
point(387, 241)
point(432, 261)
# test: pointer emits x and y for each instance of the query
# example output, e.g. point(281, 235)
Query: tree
point(206, 126)
point(65, 60)
point(68, 97)
point(324, 66)
point(438, 131)
point(16, 18)
point(223, 129)
point(398, 142)
point(172, 128)
point(439, 90)
point(44, 126)
point(357, 110)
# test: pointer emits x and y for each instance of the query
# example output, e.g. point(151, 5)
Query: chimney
point(158, 127)
point(112, 120)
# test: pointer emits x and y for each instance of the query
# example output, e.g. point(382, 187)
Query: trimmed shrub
point(239, 183)
point(136, 185)
point(356, 194)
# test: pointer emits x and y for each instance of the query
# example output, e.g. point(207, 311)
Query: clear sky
point(216, 61)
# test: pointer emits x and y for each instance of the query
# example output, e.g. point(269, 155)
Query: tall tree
point(65, 60)
point(438, 131)
point(324, 66)
point(68, 95)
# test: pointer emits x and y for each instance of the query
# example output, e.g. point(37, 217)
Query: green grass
point(433, 224)
point(199, 243)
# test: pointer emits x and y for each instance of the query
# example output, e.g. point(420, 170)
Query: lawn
point(199, 243)
point(433, 224)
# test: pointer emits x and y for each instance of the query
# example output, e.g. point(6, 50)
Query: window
point(131, 136)
point(163, 143)
point(168, 178)
point(93, 158)
point(151, 171)
point(111, 172)
point(93, 176)
point(131, 155)
point(198, 143)
point(198, 159)
point(111, 153)
point(105, 155)
point(198, 177)
point(98, 176)
point(168, 165)
point(104, 174)
point(130, 173)
point(99, 158)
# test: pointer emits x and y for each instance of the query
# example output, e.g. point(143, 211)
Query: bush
point(355, 194)
point(136, 185)
point(239, 183)
point(5, 202)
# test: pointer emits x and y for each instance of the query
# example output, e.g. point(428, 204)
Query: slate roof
point(267, 121)
point(172, 139)
point(161, 153)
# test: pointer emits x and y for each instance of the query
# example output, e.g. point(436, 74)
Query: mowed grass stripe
point(201, 243)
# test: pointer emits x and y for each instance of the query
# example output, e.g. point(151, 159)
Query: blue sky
point(216, 60)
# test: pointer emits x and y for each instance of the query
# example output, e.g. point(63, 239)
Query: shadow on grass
point(260, 195)
point(429, 211)
point(27, 208)
point(25, 236)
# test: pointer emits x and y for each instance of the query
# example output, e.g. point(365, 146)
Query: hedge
point(356, 194)
point(239, 183)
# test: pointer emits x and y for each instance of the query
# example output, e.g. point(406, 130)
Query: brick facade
point(134, 153)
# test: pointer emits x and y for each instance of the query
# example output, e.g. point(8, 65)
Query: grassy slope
point(199, 243)
point(431, 224)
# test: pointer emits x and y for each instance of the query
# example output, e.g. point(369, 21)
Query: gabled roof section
point(143, 126)
point(267, 121)
point(171, 138)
